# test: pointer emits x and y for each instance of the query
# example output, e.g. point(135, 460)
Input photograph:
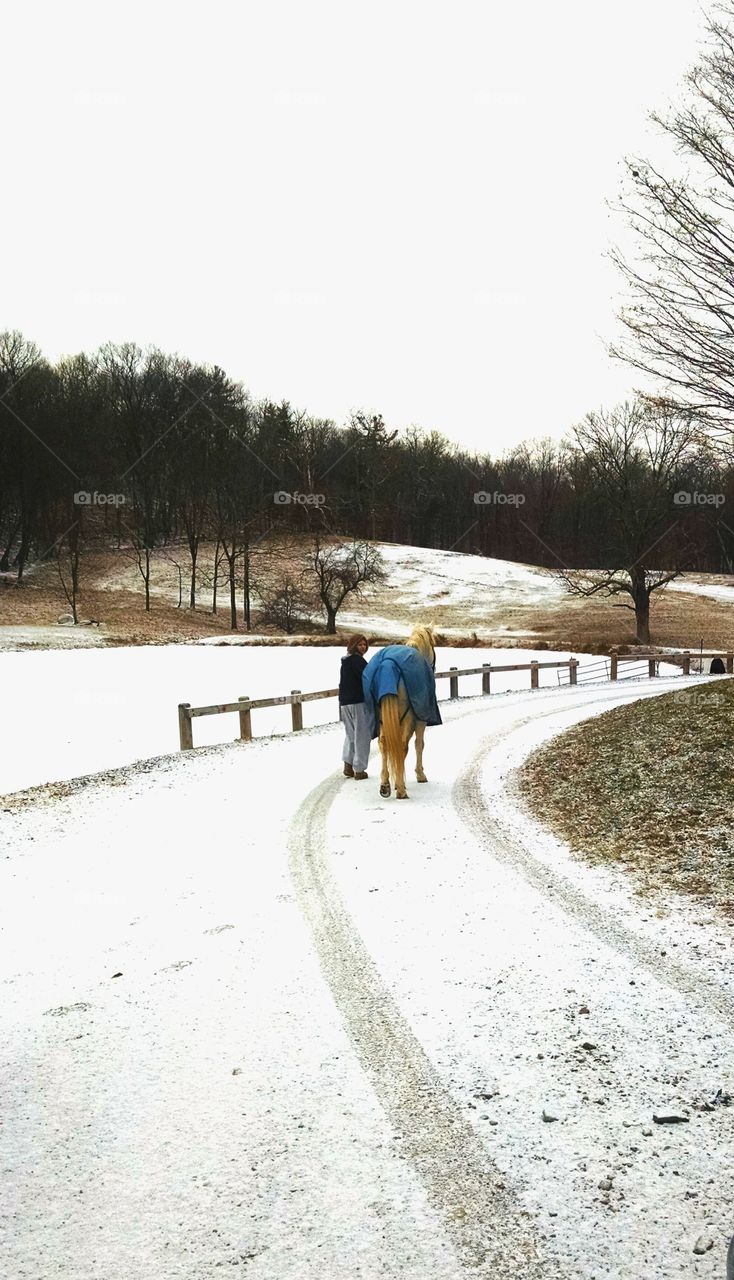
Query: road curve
point(496, 835)
point(492, 1232)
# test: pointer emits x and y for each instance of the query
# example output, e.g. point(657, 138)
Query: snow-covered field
point(425, 573)
point(227, 1046)
point(714, 590)
point(56, 635)
point(66, 713)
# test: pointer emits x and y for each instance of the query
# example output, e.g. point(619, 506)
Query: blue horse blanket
point(383, 674)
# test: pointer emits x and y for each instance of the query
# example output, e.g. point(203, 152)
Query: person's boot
point(348, 771)
point(360, 776)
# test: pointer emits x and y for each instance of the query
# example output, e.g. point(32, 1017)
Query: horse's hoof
point(404, 796)
point(423, 779)
point(385, 789)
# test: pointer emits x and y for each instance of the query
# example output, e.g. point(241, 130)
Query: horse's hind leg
point(407, 733)
point(420, 730)
point(400, 792)
point(384, 773)
point(406, 727)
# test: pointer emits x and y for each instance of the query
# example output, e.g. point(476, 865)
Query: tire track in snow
point(492, 1235)
point(496, 837)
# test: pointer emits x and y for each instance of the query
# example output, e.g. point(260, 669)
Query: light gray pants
point(357, 721)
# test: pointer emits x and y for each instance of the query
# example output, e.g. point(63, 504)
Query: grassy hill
point(648, 787)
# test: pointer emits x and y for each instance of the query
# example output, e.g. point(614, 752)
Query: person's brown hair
point(354, 641)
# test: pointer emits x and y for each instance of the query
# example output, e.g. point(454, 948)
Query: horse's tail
point(391, 733)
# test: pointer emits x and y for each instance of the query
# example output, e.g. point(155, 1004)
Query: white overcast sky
point(397, 205)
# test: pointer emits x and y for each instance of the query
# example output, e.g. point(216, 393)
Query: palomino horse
point(397, 711)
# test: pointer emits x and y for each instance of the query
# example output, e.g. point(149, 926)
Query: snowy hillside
point(711, 585)
point(500, 601)
point(460, 592)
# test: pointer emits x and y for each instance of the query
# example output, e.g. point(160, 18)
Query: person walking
point(353, 711)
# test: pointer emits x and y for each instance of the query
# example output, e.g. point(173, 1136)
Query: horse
point(398, 711)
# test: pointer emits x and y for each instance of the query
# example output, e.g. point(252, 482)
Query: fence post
point(185, 728)
point(534, 675)
point(297, 709)
point(613, 660)
point(686, 662)
point(486, 673)
point(245, 721)
point(651, 667)
point(453, 684)
point(573, 667)
point(730, 663)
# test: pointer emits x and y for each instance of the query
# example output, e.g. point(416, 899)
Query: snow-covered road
point(338, 1021)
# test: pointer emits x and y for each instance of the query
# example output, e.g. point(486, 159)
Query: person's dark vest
point(350, 680)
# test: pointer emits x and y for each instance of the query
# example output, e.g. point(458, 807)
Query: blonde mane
point(423, 639)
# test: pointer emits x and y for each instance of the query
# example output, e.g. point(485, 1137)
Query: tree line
point(137, 448)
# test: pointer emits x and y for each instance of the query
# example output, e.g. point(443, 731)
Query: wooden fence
point(654, 657)
point(295, 699)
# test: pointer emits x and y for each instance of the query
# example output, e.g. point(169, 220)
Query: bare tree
point(340, 569)
point(680, 317)
point(139, 394)
point(285, 604)
point(210, 575)
point(635, 457)
point(68, 557)
point(172, 556)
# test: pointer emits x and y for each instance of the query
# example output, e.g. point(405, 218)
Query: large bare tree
point(340, 569)
point(635, 459)
point(679, 320)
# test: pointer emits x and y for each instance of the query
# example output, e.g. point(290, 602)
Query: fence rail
point(295, 699)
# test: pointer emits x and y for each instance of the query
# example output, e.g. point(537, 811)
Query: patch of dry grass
point(649, 787)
